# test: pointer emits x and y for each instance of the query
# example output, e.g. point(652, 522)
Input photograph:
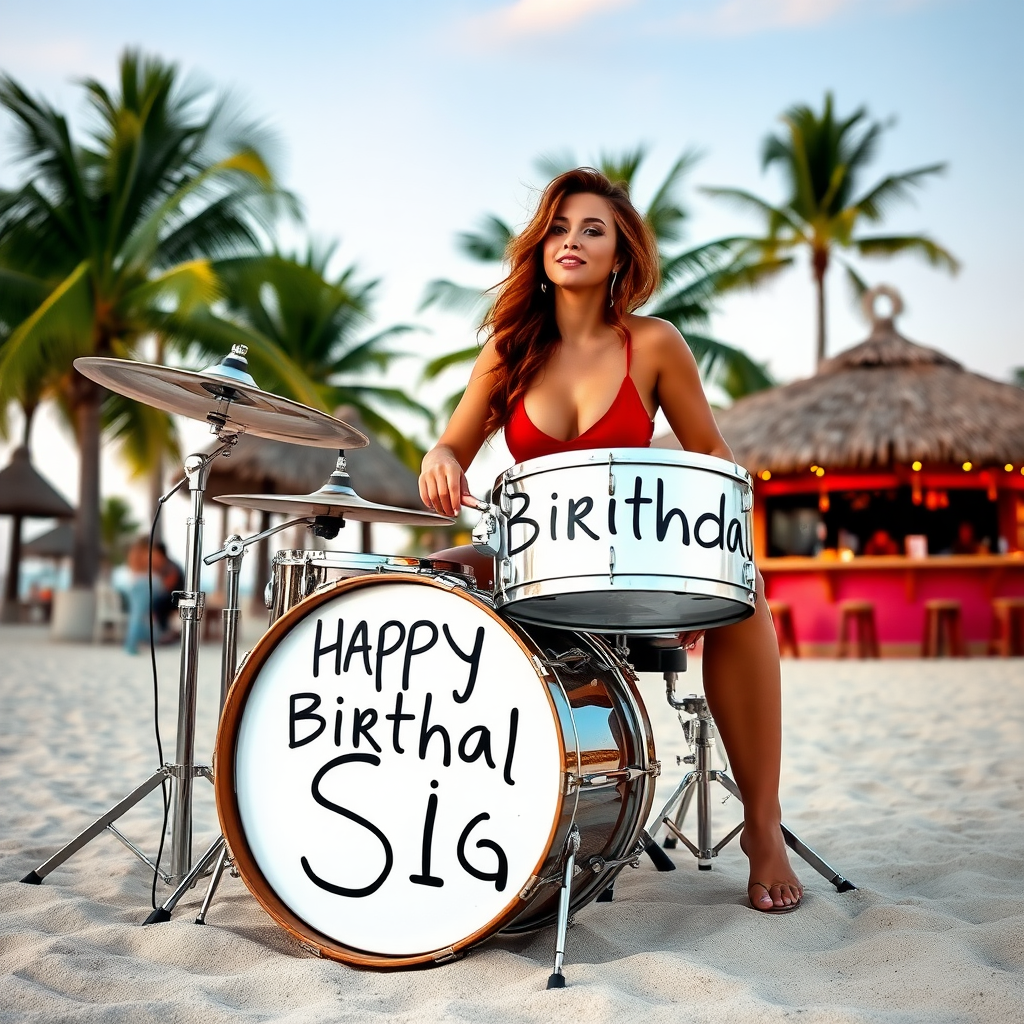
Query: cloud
point(746, 17)
point(525, 18)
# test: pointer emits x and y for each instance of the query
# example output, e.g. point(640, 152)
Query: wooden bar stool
point(942, 621)
point(860, 616)
point(1007, 627)
point(782, 615)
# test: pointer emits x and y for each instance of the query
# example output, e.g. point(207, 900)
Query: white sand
point(907, 776)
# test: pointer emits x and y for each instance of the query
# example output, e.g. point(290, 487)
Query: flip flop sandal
point(772, 909)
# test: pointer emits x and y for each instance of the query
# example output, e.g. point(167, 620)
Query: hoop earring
point(611, 291)
point(544, 286)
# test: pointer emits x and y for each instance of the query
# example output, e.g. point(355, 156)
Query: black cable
point(156, 707)
point(156, 689)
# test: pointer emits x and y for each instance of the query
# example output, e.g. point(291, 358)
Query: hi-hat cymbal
point(226, 396)
point(336, 498)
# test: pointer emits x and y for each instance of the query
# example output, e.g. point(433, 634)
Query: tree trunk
point(820, 266)
point(86, 559)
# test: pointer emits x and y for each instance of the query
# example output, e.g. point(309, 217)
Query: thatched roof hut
point(885, 401)
point(257, 465)
point(24, 493)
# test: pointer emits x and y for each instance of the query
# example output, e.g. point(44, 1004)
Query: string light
point(1008, 467)
point(766, 474)
point(916, 467)
point(819, 471)
point(967, 467)
point(814, 469)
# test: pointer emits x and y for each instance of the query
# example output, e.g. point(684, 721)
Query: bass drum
point(398, 770)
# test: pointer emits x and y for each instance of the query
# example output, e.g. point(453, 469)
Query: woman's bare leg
point(743, 687)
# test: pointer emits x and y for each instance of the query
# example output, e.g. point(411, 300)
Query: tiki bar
point(888, 501)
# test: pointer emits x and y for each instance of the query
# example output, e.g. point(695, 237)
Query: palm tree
point(691, 279)
point(823, 160)
point(290, 305)
point(125, 223)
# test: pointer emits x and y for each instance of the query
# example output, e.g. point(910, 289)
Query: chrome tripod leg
point(680, 817)
point(572, 845)
point(163, 912)
point(797, 845)
point(99, 825)
point(218, 870)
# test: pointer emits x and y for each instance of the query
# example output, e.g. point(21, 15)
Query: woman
point(568, 366)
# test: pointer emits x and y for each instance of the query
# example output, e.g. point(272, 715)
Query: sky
point(400, 123)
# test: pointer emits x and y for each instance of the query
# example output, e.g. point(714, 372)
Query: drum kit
point(407, 764)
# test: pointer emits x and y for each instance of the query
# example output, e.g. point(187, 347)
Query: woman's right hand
point(442, 482)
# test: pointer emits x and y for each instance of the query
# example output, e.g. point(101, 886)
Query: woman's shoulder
point(653, 336)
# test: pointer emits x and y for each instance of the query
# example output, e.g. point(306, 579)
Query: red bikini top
point(625, 425)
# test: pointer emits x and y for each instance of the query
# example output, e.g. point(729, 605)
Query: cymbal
point(226, 396)
point(336, 498)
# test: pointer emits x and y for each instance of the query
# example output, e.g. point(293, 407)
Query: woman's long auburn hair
point(522, 320)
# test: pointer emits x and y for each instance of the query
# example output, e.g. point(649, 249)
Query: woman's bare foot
point(773, 883)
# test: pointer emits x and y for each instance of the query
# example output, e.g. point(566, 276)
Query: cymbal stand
point(699, 731)
point(184, 770)
point(233, 553)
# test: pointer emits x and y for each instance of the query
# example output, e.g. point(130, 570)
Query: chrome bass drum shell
point(625, 540)
point(297, 573)
point(399, 770)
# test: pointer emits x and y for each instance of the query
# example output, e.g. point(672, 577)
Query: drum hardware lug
point(315, 950)
point(487, 532)
point(611, 475)
point(191, 605)
point(447, 582)
point(505, 571)
point(533, 883)
point(268, 595)
point(687, 759)
point(445, 956)
point(749, 573)
point(541, 666)
point(747, 498)
point(598, 780)
point(569, 659)
point(611, 563)
point(180, 771)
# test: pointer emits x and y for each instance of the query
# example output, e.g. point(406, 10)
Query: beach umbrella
point(57, 543)
point(24, 494)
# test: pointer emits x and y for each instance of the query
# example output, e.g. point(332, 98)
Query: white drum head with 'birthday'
point(348, 807)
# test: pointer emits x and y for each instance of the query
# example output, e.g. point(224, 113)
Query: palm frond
point(744, 200)
point(488, 243)
point(435, 367)
point(455, 298)
point(143, 434)
point(54, 334)
point(920, 245)
point(728, 367)
point(893, 189)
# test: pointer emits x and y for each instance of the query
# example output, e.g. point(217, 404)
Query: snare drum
point(398, 770)
point(626, 540)
point(298, 573)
